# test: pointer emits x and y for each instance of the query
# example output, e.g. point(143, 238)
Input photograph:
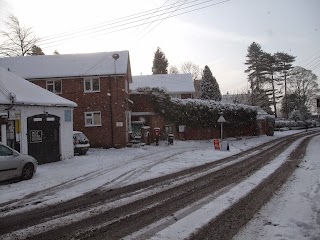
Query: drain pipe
point(111, 115)
point(115, 57)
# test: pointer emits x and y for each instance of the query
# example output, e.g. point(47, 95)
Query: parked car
point(16, 165)
point(80, 142)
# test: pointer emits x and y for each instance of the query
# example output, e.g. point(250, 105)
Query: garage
point(43, 138)
point(35, 121)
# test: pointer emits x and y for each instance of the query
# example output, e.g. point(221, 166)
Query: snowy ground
point(119, 167)
point(294, 213)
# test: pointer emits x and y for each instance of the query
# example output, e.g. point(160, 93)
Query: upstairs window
point(92, 119)
point(92, 85)
point(54, 86)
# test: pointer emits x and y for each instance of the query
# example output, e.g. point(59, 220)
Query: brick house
point(97, 82)
point(143, 114)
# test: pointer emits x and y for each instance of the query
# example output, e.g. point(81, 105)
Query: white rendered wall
point(66, 128)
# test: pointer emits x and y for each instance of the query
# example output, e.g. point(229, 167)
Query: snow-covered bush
point(281, 124)
point(200, 113)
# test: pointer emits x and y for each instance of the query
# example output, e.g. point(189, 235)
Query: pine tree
point(160, 63)
point(255, 68)
point(270, 69)
point(209, 86)
point(285, 65)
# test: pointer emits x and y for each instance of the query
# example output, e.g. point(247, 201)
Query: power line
point(124, 25)
point(166, 17)
point(170, 16)
point(111, 22)
point(307, 59)
point(152, 14)
point(315, 66)
point(312, 62)
point(88, 28)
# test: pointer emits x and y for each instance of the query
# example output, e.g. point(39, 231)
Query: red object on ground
point(216, 144)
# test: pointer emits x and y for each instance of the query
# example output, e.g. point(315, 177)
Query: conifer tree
point(255, 69)
point(160, 63)
point(285, 61)
point(260, 65)
point(270, 68)
point(209, 86)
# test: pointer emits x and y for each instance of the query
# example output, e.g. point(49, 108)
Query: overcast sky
point(217, 35)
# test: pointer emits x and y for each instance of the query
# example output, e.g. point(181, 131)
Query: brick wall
point(143, 104)
point(111, 103)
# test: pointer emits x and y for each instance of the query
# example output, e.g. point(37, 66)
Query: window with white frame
point(92, 119)
point(54, 86)
point(92, 85)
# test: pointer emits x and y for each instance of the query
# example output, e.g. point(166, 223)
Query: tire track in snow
point(38, 197)
point(139, 186)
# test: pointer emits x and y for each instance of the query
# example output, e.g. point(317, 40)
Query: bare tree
point(56, 52)
point(304, 84)
point(17, 40)
point(173, 69)
point(190, 67)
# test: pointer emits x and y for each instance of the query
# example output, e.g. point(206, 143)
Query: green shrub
point(200, 113)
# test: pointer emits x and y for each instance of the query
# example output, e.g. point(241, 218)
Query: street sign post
point(221, 120)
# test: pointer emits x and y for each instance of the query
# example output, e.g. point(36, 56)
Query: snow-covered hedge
point(200, 113)
point(280, 124)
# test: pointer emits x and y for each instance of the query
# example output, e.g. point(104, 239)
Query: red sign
point(216, 144)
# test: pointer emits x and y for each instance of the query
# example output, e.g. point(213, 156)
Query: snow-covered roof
point(27, 93)
point(173, 83)
point(67, 65)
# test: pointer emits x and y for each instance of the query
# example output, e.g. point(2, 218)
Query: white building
point(35, 121)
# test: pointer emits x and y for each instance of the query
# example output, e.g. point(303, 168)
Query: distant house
point(97, 82)
point(177, 85)
point(35, 121)
point(242, 98)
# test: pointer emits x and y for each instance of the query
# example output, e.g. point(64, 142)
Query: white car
point(16, 165)
point(80, 143)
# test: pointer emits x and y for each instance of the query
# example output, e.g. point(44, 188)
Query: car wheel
point(83, 152)
point(27, 171)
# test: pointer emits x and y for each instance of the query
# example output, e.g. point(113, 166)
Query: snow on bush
point(200, 113)
point(281, 124)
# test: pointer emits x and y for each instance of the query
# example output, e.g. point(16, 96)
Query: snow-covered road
point(294, 212)
point(113, 168)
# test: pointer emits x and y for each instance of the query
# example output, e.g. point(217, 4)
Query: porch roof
point(16, 90)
